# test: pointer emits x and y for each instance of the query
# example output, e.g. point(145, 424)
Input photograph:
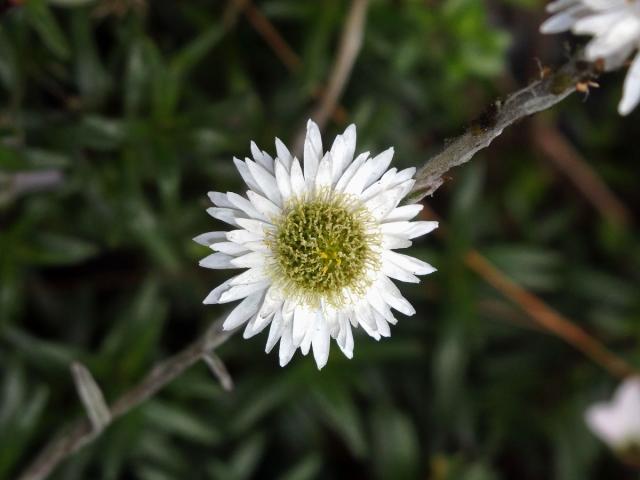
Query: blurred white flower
point(617, 422)
point(615, 26)
point(317, 241)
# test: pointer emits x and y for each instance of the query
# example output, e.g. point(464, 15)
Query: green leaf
point(91, 76)
point(306, 469)
point(343, 416)
point(396, 451)
point(58, 249)
point(71, 3)
point(243, 461)
point(177, 421)
point(45, 24)
point(191, 55)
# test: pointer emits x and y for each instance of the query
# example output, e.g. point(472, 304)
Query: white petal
point(208, 238)
point(220, 199)
point(382, 204)
point(562, 21)
point(246, 175)
point(312, 152)
point(367, 321)
point(627, 396)
point(252, 259)
point(253, 275)
point(257, 325)
point(339, 155)
point(272, 302)
point(305, 344)
point(403, 175)
point(275, 331)
point(255, 226)
point(619, 58)
point(243, 236)
point(266, 181)
point(624, 32)
point(390, 269)
point(240, 291)
point(606, 4)
point(604, 423)
point(342, 150)
point(245, 310)
point(321, 344)
point(214, 295)
point(267, 208)
point(386, 182)
point(217, 260)
point(262, 158)
point(350, 171)
point(258, 246)
point(379, 164)
point(283, 154)
point(406, 212)
point(418, 229)
point(380, 306)
point(558, 5)
point(226, 215)
point(287, 349)
point(597, 24)
point(283, 181)
point(241, 203)
point(345, 337)
point(350, 135)
point(348, 348)
point(230, 248)
point(391, 242)
point(323, 177)
point(382, 325)
point(410, 264)
point(359, 179)
point(408, 229)
point(631, 91)
point(392, 296)
point(302, 317)
point(298, 187)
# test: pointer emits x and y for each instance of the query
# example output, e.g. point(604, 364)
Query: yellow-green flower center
point(323, 246)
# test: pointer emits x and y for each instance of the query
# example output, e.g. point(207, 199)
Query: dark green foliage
point(133, 118)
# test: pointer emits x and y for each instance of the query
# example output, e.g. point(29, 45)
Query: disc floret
point(323, 248)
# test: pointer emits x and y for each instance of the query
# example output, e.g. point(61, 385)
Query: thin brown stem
point(548, 318)
point(278, 44)
point(542, 314)
point(557, 149)
point(350, 44)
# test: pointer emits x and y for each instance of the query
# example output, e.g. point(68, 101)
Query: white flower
point(317, 243)
point(617, 422)
point(615, 26)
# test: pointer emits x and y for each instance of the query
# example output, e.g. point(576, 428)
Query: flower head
point(617, 422)
point(317, 241)
point(615, 26)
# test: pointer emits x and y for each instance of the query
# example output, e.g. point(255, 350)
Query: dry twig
point(566, 158)
point(70, 439)
point(350, 44)
point(538, 96)
point(548, 318)
point(542, 314)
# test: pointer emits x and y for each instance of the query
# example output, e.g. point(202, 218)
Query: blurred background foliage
point(116, 118)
